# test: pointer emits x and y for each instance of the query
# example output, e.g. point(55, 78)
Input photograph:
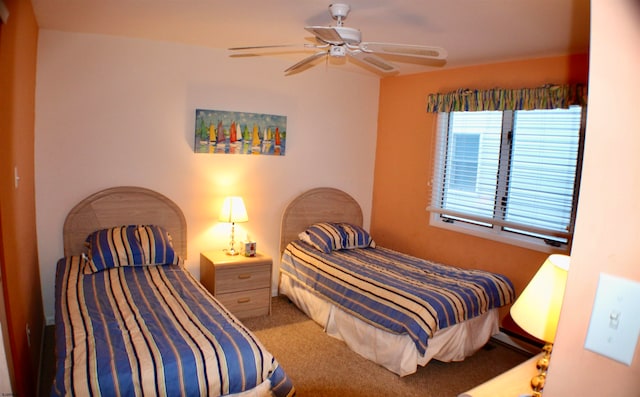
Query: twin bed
point(130, 320)
point(396, 310)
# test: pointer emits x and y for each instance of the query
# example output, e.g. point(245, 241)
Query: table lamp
point(537, 310)
point(233, 211)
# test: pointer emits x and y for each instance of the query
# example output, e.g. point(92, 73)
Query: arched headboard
point(324, 204)
point(125, 205)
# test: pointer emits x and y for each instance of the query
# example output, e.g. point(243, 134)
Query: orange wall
point(403, 167)
point(19, 261)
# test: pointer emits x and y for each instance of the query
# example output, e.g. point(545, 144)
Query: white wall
point(606, 237)
point(113, 111)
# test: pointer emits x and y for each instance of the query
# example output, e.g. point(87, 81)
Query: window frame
point(497, 229)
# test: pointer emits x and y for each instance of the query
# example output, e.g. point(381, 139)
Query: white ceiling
point(472, 31)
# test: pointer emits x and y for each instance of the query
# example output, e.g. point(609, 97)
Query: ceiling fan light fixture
point(337, 51)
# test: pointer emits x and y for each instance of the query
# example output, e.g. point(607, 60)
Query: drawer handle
point(244, 276)
point(244, 300)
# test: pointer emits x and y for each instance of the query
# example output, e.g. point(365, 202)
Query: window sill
point(490, 234)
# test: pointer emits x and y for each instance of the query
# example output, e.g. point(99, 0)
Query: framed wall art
point(221, 131)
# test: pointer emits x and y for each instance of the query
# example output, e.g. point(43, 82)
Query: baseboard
point(517, 342)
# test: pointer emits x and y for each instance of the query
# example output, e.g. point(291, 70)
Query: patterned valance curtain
point(545, 97)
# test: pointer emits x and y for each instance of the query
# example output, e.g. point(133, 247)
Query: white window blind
point(511, 171)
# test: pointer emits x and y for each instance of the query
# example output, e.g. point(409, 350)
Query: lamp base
point(537, 382)
point(232, 251)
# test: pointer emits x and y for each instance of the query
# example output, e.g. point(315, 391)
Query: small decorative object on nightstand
point(242, 284)
point(250, 248)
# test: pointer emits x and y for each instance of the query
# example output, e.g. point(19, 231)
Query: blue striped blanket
point(151, 331)
point(394, 291)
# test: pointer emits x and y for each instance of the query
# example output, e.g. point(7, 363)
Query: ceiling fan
point(340, 41)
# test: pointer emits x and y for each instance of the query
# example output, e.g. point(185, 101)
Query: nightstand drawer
point(245, 304)
point(242, 278)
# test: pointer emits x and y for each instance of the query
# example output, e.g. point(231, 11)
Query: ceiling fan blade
point(407, 50)
point(375, 62)
point(326, 34)
point(305, 62)
point(257, 47)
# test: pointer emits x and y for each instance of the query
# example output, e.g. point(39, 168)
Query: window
point(464, 162)
point(509, 175)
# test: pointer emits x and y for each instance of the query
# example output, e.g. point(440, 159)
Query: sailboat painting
point(221, 131)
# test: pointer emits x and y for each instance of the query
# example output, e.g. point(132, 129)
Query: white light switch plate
point(615, 319)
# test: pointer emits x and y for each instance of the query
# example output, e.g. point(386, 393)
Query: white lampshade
point(537, 309)
point(233, 210)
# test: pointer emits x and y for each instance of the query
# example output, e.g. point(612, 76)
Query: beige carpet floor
point(320, 365)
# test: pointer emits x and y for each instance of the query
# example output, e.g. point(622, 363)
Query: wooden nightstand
point(242, 284)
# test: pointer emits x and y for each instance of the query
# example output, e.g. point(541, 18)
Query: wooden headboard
point(324, 204)
point(126, 205)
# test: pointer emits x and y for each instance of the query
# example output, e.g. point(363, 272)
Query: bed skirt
point(396, 352)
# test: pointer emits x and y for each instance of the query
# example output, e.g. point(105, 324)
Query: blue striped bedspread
point(151, 331)
point(399, 293)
